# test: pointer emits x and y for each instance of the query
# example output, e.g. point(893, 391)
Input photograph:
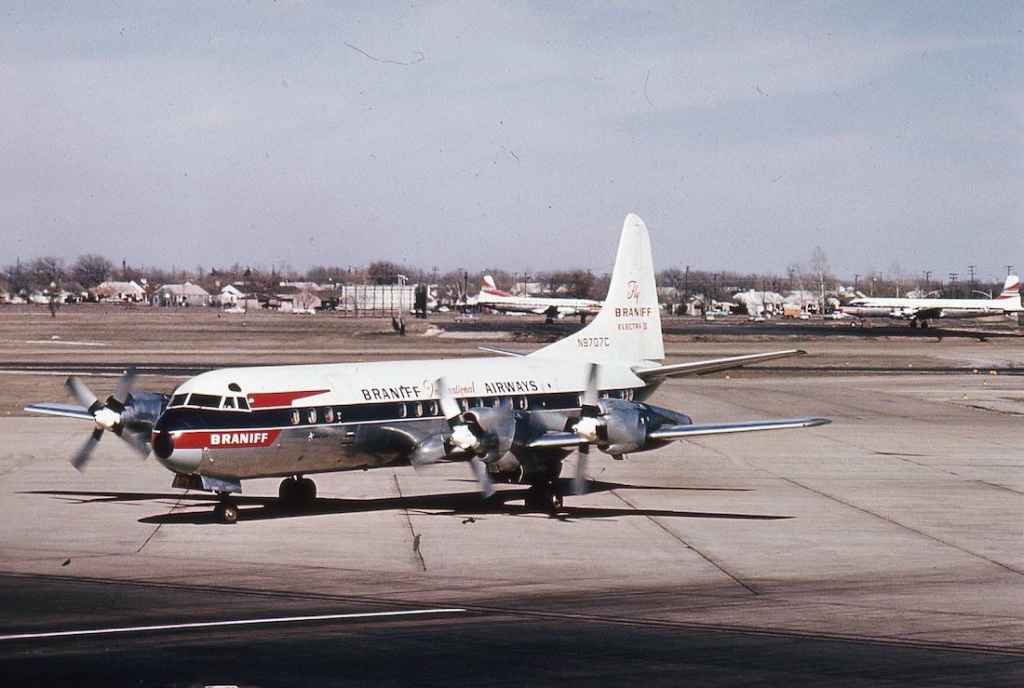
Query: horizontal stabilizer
point(66, 410)
point(676, 432)
point(503, 352)
point(713, 365)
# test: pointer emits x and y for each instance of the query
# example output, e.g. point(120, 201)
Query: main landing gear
point(297, 492)
point(544, 496)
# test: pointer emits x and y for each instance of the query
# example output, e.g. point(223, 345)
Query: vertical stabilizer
point(628, 327)
point(1011, 292)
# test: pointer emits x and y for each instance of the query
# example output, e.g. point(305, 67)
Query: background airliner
point(920, 311)
point(512, 417)
point(550, 307)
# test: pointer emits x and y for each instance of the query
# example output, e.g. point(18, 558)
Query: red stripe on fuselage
point(269, 399)
point(224, 439)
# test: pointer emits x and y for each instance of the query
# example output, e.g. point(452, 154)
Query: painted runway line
point(232, 622)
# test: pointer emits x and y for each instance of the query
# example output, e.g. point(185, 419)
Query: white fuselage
point(905, 308)
point(536, 304)
point(329, 417)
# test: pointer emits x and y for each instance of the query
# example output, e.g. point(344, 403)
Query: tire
point(306, 491)
point(226, 513)
point(288, 491)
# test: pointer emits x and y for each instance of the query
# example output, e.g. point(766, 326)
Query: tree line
point(90, 270)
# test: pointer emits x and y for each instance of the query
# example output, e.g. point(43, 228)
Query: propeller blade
point(579, 481)
point(136, 441)
point(82, 394)
point(84, 453)
point(480, 471)
point(591, 394)
point(124, 389)
point(449, 406)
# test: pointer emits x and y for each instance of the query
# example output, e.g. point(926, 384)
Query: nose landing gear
point(226, 510)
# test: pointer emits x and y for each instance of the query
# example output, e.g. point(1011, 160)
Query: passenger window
point(337, 414)
point(296, 417)
point(418, 409)
point(431, 408)
point(402, 411)
point(243, 404)
point(464, 404)
point(311, 415)
point(328, 415)
point(522, 403)
point(229, 402)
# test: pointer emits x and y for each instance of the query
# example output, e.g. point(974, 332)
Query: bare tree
point(91, 270)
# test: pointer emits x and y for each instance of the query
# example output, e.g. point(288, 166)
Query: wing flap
point(64, 410)
point(713, 365)
point(676, 432)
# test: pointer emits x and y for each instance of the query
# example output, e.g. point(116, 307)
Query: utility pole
point(970, 270)
point(856, 279)
point(953, 276)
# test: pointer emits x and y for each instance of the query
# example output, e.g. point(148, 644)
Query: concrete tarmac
point(884, 549)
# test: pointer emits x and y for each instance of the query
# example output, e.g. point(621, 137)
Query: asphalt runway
point(111, 640)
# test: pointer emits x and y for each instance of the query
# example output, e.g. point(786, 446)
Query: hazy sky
point(515, 135)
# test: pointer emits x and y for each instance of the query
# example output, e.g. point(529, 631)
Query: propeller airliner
point(511, 417)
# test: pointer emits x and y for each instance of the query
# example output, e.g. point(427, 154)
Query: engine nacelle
point(625, 427)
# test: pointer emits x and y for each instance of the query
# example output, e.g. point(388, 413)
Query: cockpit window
point(229, 402)
point(243, 404)
point(204, 400)
point(178, 400)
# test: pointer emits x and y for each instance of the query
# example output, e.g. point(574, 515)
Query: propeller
point(588, 427)
point(108, 415)
point(464, 437)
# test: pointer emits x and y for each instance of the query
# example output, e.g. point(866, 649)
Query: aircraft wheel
point(288, 492)
point(924, 324)
point(226, 512)
point(306, 491)
point(913, 324)
point(554, 502)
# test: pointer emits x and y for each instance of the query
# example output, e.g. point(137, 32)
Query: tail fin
point(1012, 293)
point(628, 327)
point(1011, 288)
point(488, 286)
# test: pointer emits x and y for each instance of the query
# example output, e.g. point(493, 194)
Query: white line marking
point(234, 622)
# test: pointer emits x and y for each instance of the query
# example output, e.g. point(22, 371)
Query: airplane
point(513, 417)
point(496, 299)
point(920, 311)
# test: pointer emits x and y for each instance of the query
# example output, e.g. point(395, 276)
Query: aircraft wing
point(678, 432)
point(565, 440)
point(712, 365)
point(927, 313)
point(65, 410)
point(554, 440)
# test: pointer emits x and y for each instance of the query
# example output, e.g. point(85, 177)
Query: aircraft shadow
point(462, 504)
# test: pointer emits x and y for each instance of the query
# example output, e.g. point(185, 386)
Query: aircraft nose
point(174, 458)
point(163, 444)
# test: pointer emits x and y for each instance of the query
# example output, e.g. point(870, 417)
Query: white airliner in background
point(550, 307)
point(920, 311)
point(513, 417)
